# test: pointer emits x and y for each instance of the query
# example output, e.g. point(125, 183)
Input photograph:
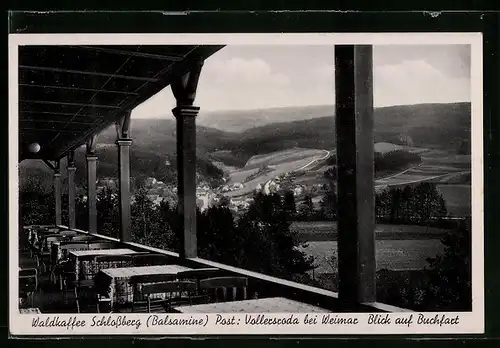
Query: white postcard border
point(470, 322)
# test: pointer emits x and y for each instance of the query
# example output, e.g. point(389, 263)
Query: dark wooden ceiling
point(68, 93)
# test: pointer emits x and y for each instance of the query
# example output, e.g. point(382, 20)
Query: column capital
point(183, 111)
point(91, 157)
point(57, 175)
point(123, 142)
point(71, 169)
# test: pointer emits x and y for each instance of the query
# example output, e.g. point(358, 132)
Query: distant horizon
point(239, 78)
point(300, 106)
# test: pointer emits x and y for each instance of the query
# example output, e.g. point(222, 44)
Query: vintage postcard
point(234, 184)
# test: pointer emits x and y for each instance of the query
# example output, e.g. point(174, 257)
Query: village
point(226, 194)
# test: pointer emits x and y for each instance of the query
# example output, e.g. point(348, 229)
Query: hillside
point(241, 120)
point(437, 126)
point(434, 126)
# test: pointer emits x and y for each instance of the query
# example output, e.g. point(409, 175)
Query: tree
point(268, 245)
point(289, 205)
point(108, 222)
point(217, 238)
point(331, 174)
point(36, 203)
point(81, 208)
point(450, 286)
point(306, 209)
point(328, 203)
point(224, 201)
point(419, 204)
point(144, 216)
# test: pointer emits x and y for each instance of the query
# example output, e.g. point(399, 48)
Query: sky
point(259, 77)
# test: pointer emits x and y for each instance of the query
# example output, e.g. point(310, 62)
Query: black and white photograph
point(246, 184)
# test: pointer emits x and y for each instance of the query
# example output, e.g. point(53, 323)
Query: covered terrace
point(68, 94)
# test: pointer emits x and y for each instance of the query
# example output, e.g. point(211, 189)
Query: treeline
point(420, 204)
point(413, 204)
point(383, 162)
point(394, 160)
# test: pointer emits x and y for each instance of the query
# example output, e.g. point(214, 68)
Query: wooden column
point(71, 190)
point(124, 142)
point(57, 194)
point(184, 90)
point(356, 203)
point(186, 175)
point(91, 184)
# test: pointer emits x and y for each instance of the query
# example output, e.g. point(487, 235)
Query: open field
point(239, 175)
point(390, 254)
point(277, 170)
point(458, 199)
point(385, 147)
point(327, 231)
point(439, 167)
point(279, 163)
point(285, 156)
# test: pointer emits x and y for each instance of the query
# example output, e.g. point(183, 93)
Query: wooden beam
point(133, 53)
point(70, 88)
point(50, 130)
point(50, 165)
point(356, 220)
point(69, 104)
point(90, 73)
point(55, 113)
point(52, 121)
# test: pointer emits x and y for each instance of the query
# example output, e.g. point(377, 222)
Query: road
point(327, 153)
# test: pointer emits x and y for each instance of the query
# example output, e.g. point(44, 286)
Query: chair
point(198, 274)
point(164, 304)
point(42, 258)
point(28, 284)
point(26, 263)
point(85, 290)
point(100, 246)
point(82, 238)
point(138, 281)
point(217, 287)
point(150, 260)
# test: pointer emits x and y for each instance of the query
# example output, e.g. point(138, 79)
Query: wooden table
point(76, 254)
point(263, 305)
point(115, 282)
point(30, 311)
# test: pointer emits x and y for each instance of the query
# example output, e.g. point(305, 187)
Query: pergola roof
point(68, 93)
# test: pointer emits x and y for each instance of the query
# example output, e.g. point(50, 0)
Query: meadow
point(327, 231)
point(390, 254)
point(458, 199)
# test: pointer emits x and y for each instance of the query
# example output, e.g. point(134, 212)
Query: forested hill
point(441, 126)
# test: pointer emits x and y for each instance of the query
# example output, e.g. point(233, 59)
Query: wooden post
point(57, 196)
point(71, 190)
point(184, 90)
point(91, 184)
point(186, 175)
point(354, 128)
point(124, 142)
